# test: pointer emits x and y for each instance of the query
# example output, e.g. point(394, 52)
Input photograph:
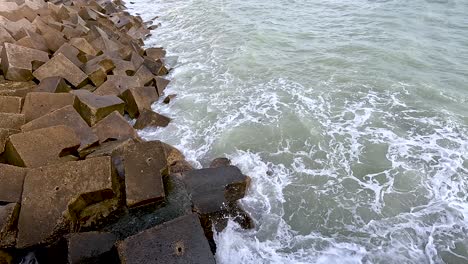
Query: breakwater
point(77, 183)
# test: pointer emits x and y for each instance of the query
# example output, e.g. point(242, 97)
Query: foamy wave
point(342, 171)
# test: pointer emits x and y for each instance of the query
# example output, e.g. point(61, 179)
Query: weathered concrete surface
point(66, 189)
point(53, 84)
point(41, 147)
point(148, 118)
point(37, 104)
point(212, 189)
point(114, 127)
point(178, 241)
point(8, 220)
point(139, 98)
point(61, 66)
point(66, 116)
point(5, 133)
point(14, 88)
point(11, 121)
point(145, 164)
point(11, 183)
point(94, 108)
point(10, 104)
point(17, 61)
point(90, 247)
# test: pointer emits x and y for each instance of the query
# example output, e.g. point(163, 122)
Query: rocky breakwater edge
point(77, 184)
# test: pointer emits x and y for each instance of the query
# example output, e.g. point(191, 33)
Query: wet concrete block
point(66, 116)
point(37, 104)
point(41, 147)
point(116, 85)
point(90, 247)
point(145, 164)
point(212, 189)
point(178, 241)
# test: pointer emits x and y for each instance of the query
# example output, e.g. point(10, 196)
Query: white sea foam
point(345, 167)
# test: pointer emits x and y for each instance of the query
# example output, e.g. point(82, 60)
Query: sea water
point(351, 117)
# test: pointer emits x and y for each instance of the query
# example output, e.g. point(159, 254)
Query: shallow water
point(350, 116)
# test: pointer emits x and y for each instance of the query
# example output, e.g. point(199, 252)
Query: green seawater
point(351, 117)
